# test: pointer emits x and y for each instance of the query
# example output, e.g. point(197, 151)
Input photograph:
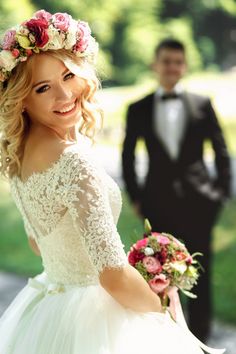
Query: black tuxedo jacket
point(187, 177)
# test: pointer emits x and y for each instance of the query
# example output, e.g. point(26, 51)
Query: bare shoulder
point(40, 154)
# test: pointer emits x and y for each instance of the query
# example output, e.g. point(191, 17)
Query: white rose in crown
point(71, 36)
point(7, 60)
point(56, 39)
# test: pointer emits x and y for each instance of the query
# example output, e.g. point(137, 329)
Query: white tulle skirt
point(47, 319)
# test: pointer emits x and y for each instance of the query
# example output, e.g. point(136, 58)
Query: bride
point(88, 300)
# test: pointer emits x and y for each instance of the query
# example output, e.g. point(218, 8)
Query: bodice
point(71, 210)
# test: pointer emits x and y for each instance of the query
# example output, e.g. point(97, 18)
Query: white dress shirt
point(170, 121)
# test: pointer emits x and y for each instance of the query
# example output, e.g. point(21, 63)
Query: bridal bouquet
point(164, 261)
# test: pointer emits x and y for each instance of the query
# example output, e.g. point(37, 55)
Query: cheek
point(79, 87)
point(42, 102)
point(38, 109)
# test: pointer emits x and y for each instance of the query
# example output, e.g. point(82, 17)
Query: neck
point(167, 87)
point(62, 134)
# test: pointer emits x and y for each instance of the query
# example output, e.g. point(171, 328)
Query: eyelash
point(44, 88)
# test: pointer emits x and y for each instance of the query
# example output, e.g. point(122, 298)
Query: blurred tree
point(125, 29)
point(14, 11)
point(128, 30)
point(214, 27)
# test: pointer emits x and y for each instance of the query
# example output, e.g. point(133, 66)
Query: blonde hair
point(15, 124)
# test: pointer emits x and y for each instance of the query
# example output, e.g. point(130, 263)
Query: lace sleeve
point(88, 204)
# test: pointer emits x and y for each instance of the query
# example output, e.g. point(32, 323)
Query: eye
point(42, 89)
point(69, 76)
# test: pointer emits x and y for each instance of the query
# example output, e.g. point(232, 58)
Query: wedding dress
point(71, 210)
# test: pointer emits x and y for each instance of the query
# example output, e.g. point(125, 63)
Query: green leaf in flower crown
point(147, 227)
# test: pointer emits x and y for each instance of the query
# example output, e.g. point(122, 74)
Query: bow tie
point(167, 96)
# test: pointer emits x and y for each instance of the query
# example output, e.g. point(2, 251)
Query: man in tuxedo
point(178, 195)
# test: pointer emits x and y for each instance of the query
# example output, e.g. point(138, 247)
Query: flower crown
point(45, 31)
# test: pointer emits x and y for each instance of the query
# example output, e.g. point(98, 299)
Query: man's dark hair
point(170, 44)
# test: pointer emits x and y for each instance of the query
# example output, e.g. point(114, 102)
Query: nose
point(63, 93)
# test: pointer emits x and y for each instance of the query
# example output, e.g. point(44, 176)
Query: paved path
point(223, 336)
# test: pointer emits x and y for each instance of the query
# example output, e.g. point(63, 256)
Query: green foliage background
point(128, 31)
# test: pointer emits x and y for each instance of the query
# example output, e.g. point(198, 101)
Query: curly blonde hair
point(15, 124)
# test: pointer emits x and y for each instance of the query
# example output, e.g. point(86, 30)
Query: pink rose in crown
point(141, 243)
point(159, 283)
point(43, 15)
point(134, 256)
point(9, 40)
point(15, 52)
point(62, 21)
point(39, 29)
point(84, 33)
point(29, 52)
point(152, 264)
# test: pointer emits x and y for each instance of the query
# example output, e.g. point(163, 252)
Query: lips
point(67, 108)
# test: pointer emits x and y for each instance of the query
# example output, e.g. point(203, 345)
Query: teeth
point(67, 109)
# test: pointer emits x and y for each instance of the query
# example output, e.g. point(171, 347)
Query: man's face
point(170, 66)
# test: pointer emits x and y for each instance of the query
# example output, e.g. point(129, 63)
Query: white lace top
point(71, 210)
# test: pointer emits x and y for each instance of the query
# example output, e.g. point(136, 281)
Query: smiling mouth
point(67, 109)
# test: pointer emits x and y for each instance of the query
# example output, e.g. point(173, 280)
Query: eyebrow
point(47, 81)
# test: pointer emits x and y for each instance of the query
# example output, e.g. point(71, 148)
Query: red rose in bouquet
point(164, 261)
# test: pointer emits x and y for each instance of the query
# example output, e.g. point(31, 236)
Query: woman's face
point(54, 100)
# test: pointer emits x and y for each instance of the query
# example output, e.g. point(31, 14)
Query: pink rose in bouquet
point(141, 243)
point(152, 265)
point(159, 283)
point(164, 261)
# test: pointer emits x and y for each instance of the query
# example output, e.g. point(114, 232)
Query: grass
point(16, 256)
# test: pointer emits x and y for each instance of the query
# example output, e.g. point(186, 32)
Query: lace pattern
point(71, 209)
